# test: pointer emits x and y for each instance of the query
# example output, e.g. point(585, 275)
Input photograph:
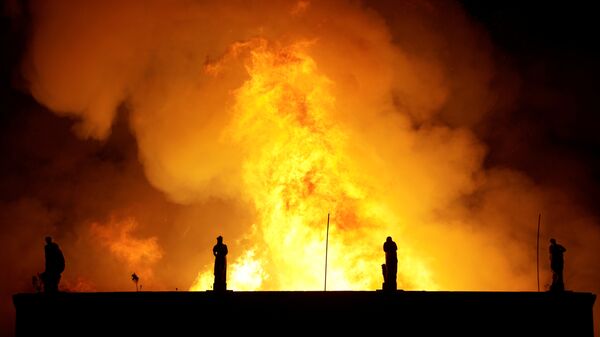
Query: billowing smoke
point(254, 120)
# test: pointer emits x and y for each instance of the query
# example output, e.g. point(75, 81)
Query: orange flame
point(298, 166)
point(138, 254)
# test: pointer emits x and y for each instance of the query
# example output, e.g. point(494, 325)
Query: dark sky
point(549, 50)
point(551, 133)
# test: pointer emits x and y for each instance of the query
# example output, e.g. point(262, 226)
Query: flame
point(246, 274)
point(138, 254)
point(370, 111)
point(78, 284)
point(298, 167)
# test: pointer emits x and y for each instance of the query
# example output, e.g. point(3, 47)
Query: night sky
point(552, 49)
point(549, 131)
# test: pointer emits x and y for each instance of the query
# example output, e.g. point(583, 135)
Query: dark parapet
point(289, 313)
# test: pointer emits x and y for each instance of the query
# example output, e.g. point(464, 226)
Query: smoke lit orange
point(254, 120)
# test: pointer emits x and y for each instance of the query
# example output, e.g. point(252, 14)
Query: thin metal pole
point(326, 250)
point(538, 252)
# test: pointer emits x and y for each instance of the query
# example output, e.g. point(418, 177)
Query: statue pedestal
point(220, 286)
point(388, 286)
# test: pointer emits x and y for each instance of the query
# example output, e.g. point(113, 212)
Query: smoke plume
point(184, 120)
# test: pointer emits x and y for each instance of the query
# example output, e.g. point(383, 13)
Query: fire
point(137, 254)
point(261, 117)
point(246, 274)
point(298, 167)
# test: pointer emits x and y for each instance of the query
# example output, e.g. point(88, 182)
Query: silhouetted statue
point(55, 265)
point(390, 268)
point(220, 253)
point(557, 264)
point(136, 279)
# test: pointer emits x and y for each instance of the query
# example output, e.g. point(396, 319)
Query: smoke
point(135, 253)
point(405, 94)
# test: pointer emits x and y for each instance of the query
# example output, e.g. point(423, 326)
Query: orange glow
point(298, 167)
point(255, 119)
point(137, 254)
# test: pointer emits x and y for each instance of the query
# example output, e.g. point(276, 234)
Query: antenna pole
point(538, 251)
point(326, 250)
